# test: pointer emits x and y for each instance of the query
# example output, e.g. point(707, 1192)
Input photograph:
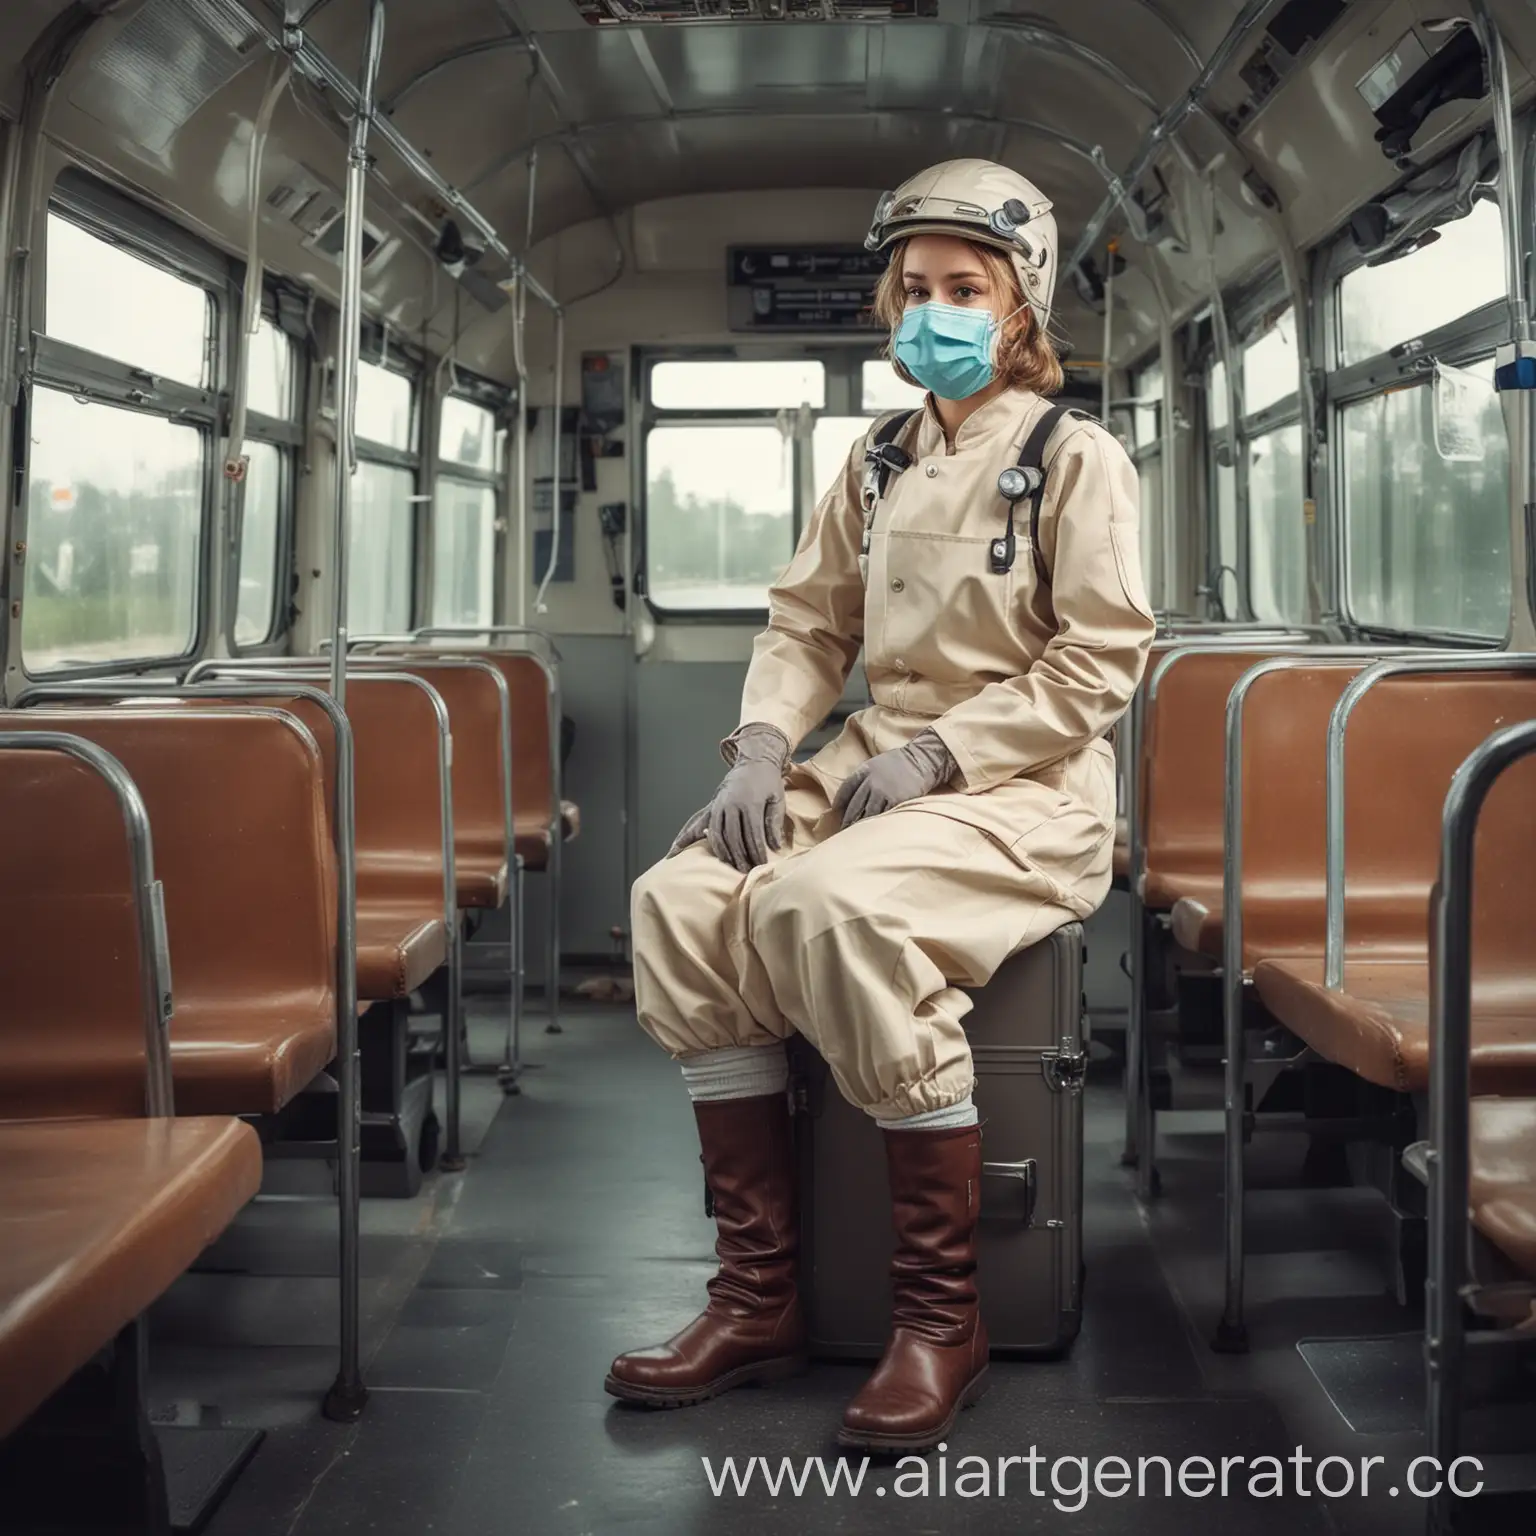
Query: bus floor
point(493, 1302)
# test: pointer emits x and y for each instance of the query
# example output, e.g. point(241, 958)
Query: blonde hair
point(1026, 357)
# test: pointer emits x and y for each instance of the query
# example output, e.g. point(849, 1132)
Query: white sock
point(737, 1072)
point(950, 1118)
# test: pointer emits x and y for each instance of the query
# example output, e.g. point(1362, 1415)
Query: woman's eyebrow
point(951, 277)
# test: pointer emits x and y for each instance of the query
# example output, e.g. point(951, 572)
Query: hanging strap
point(1032, 458)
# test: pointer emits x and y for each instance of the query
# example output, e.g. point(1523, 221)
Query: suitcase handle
point(1024, 1173)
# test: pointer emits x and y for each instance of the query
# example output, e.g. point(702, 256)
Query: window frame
point(1472, 338)
point(500, 401)
point(843, 373)
point(117, 220)
point(381, 349)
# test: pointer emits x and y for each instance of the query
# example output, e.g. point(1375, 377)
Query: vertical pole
point(1109, 320)
point(346, 1398)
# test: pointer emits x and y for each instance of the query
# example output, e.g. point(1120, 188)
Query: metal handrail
point(148, 904)
point(1232, 1332)
point(1450, 1084)
point(281, 669)
point(1338, 726)
point(348, 1084)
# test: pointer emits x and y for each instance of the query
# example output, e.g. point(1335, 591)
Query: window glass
point(1147, 387)
point(270, 388)
point(832, 440)
point(1227, 553)
point(383, 406)
point(1271, 368)
point(117, 305)
point(1428, 538)
point(463, 552)
point(732, 384)
point(1277, 535)
point(1216, 397)
point(1459, 272)
point(255, 609)
point(719, 514)
point(1150, 473)
point(883, 389)
point(115, 502)
point(382, 550)
point(468, 434)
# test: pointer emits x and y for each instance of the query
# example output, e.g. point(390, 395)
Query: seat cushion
point(397, 950)
point(1378, 1025)
point(481, 877)
point(1503, 1184)
point(100, 1218)
point(252, 1059)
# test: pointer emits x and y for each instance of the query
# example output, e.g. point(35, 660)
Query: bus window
point(1147, 452)
point(271, 374)
point(259, 544)
point(382, 545)
point(736, 385)
point(114, 535)
point(882, 389)
point(1428, 538)
point(384, 406)
point(111, 302)
point(1277, 534)
point(720, 513)
point(1460, 271)
point(464, 516)
point(1271, 369)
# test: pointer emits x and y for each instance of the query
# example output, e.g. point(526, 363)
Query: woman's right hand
point(746, 817)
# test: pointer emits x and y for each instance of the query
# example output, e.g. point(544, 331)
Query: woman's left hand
point(895, 777)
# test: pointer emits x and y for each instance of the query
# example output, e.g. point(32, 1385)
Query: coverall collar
point(1002, 416)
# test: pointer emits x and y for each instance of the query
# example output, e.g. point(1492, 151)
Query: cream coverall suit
point(861, 938)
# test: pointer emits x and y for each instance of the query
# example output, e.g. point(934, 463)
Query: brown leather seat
point(100, 1218)
point(1503, 1185)
point(479, 809)
point(401, 936)
point(1377, 1025)
point(1397, 773)
point(1182, 780)
point(242, 846)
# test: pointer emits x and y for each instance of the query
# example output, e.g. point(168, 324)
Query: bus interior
point(408, 406)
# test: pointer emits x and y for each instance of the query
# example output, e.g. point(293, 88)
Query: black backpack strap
point(883, 456)
point(1032, 458)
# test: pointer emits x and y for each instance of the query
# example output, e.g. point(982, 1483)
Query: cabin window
point(1271, 367)
point(735, 384)
point(110, 302)
point(464, 515)
point(260, 544)
point(1277, 530)
point(381, 583)
point(882, 389)
point(270, 373)
point(1146, 417)
point(1428, 533)
point(381, 550)
point(1456, 273)
point(385, 407)
point(114, 534)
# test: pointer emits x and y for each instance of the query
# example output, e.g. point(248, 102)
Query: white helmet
point(982, 201)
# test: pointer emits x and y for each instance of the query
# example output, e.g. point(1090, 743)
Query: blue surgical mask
point(948, 349)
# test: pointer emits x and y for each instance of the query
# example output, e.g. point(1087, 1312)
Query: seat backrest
point(475, 717)
point(236, 804)
point(528, 691)
point(72, 1021)
point(1285, 806)
point(1406, 738)
point(1183, 777)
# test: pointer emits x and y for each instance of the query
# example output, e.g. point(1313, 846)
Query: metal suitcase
point(1026, 1035)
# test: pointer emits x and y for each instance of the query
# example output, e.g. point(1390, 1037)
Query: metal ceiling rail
point(1166, 126)
point(312, 62)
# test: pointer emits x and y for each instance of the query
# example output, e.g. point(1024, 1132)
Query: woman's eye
point(965, 295)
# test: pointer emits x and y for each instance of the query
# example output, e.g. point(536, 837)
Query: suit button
point(901, 666)
point(933, 471)
point(898, 585)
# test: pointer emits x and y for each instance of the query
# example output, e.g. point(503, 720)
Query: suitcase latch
point(1023, 1173)
point(1065, 1068)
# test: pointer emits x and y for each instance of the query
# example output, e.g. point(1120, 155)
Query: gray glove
point(746, 817)
point(907, 773)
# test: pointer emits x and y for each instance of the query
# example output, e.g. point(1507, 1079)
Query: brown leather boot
point(752, 1330)
point(936, 1361)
